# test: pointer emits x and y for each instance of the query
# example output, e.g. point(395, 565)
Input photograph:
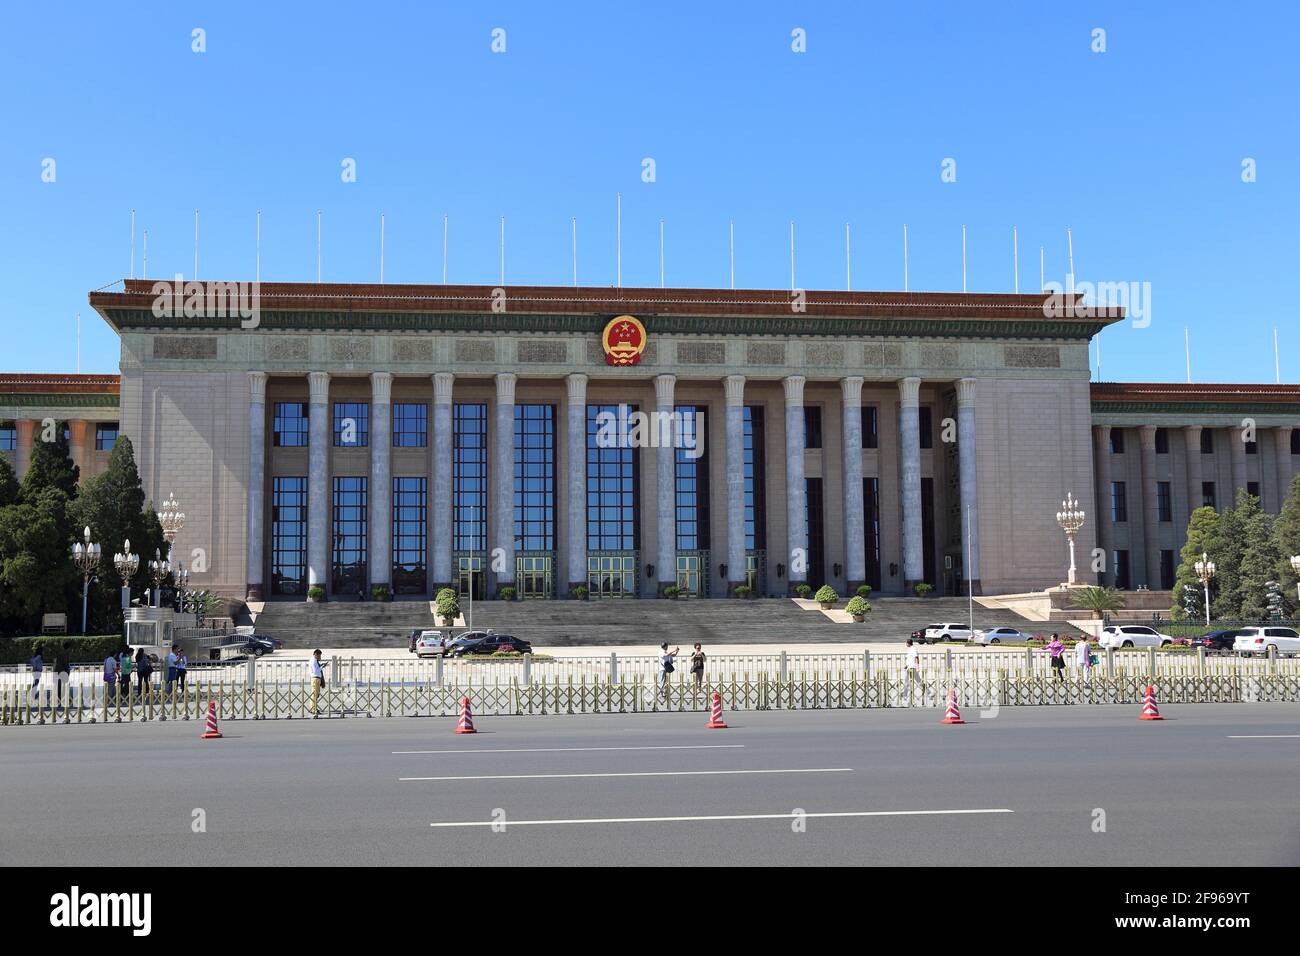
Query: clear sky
point(1139, 149)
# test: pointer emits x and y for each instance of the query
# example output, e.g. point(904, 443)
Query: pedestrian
point(125, 666)
point(1056, 649)
point(666, 667)
point(697, 666)
point(172, 660)
point(1083, 655)
point(182, 665)
point(143, 669)
point(913, 668)
point(317, 680)
point(62, 671)
point(111, 668)
point(37, 664)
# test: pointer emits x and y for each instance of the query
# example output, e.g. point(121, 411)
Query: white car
point(429, 644)
point(1257, 640)
point(1132, 635)
point(945, 632)
point(999, 635)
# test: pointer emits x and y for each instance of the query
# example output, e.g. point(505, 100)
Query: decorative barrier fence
point(288, 700)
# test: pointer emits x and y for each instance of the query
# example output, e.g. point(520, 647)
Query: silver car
point(999, 635)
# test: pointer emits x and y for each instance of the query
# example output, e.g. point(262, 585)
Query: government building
point(627, 440)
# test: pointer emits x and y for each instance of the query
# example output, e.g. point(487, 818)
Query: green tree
point(51, 465)
point(8, 484)
point(1228, 549)
point(36, 571)
point(1286, 530)
point(1202, 530)
point(1259, 563)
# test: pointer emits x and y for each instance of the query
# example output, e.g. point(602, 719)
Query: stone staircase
point(628, 622)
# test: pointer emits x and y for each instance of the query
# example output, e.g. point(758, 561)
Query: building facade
point(419, 436)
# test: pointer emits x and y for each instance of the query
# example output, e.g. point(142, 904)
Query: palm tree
point(1096, 600)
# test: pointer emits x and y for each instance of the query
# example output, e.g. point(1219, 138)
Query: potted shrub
point(826, 597)
point(742, 591)
point(864, 591)
point(579, 592)
point(315, 594)
point(858, 607)
point(802, 589)
point(380, 592)
point(921, 588)
point(506, 593)
point(1096, 600)
point(448, 607)
point(672, 591)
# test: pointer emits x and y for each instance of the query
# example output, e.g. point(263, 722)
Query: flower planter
point(859, 618)
point(827, 605)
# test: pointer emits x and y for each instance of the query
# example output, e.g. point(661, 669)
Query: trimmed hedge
point(85, 650)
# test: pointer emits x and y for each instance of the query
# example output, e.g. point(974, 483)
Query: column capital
point(506, 388)
point(793, 389)
point(319, 384)
point(381, 387)
point(1281, 432)
point(1147, 435)
point(851, 389)
point(909, 392)
point(734, 388)
point(442, 386)
point(965, 392)
point(576, 388)
point(664, 385)
point(1193, 430)
point(257, 387)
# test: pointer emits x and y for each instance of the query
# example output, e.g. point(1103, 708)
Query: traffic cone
point(1149, 709)
point(715, 720)
point(211, 733)
point(952, 715)
point(466, 723)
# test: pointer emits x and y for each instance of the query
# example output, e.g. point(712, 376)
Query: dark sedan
point(489, 644)
point(1218, 641)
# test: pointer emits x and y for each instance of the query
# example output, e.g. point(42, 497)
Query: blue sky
point(1138, 150)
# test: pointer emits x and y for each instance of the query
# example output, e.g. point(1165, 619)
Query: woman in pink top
point(1055, 648)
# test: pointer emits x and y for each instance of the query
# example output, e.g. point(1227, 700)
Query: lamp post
point(126, 564)
point(181, 576)
point(172, 520)
point(1070, 518)
point(159, 568)
point(86, 557)
point(1205, 569)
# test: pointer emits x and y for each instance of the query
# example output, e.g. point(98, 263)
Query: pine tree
point(51, 465)
point(8, 484)
point(1286, 532)
point(1258, 566)
point(1202, 530)
point(1228, 548)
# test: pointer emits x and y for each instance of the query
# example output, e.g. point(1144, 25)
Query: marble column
point(80, 436)
point(575, 452)
point(441, 446)
point(796, 492)
point(1105, 525)
point(1192, 441)
point(256, 483)
point(909, 435)
point(855, 537)
point(318, 481)
point(501, 546)
point(967, 473)
point(1282, 461)
point(1150, 505)
point(734, 389)
point(665, 486)
point(380, 492)
point(1240, 472)
point(26, 434)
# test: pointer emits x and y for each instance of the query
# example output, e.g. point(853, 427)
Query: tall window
point(1208, 497)
point(1295, 441)
point(1166, 570)
point(1162, 441)
point(926, 418)
point(1207, 441)
point(8, 436)
point(410, 544)
point(871, 527)
point(351, 424)
point(349, 551)
point(691, 482)
point(755, 480)
point(1117, 441)
point(1119, 561)
point(105, 436)
point(611, 486)
point(1252, 447)
point(1164, 502)
point(1118, 502)
point(1252, 488)
point(535, 477)
point(929, 569)
point(469, 477)
point(812, 426)
point(870, 426)
point(815, 531)
point(290, 425)
point(288, 535)
point(410, 425)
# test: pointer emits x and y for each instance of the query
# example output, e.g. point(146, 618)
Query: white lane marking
point(644, 773)
point(1262, 736)
point(554, 750)
point(730, 816)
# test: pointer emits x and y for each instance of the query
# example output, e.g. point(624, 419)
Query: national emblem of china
point(623, 340)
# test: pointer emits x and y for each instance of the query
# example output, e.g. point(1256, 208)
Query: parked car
point(494, 643)
point(1132, 635)
point(1258, 640)
point(999, 635)
point(429, 644)
point(1217, 641)
point(934, 633)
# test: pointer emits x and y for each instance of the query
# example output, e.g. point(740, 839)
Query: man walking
point(125, 665)
point(38, 671)
point(111, 668)
point(913, 668)
point(171, 669)
point(317, 681)
point(666, 668)
point(62, 671)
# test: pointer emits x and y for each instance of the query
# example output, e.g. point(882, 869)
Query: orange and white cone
point(715, 719)
point(466, 723)
point(1149, 709)
point(211, 733)
point(952, 715)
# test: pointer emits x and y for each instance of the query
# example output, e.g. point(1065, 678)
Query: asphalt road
point(1211, 785)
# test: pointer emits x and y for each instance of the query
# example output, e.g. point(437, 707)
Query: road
point(1211, 785)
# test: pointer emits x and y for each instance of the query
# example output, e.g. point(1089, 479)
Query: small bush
point(380, 592)
point(742, 591)
point(826, 595)
point(316, 592)
point(921, 588)
point(864, 591)
point(579, 592)
point(672, 591)
point(85, 650)
point(506, 593)
point(803, 590)
point(857, 605)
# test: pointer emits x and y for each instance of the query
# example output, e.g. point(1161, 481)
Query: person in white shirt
point(317, 680)
point(913, 670)
point(666, 667)
point(1083, 656)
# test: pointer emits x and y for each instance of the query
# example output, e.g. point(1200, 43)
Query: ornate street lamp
point(126, 564)
point(172, 520)
point(1205, 569)
point(181, 577)
point(86, 558)
point(159, 568)
point(1070, 518)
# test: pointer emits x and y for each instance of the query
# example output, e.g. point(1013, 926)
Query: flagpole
point(1015, 255)
point(904, 257)
point(848, 260)
point(318, 245)
point(963, 257)
point(575, 251)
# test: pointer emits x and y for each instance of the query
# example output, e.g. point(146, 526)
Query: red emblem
point(623, 340)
